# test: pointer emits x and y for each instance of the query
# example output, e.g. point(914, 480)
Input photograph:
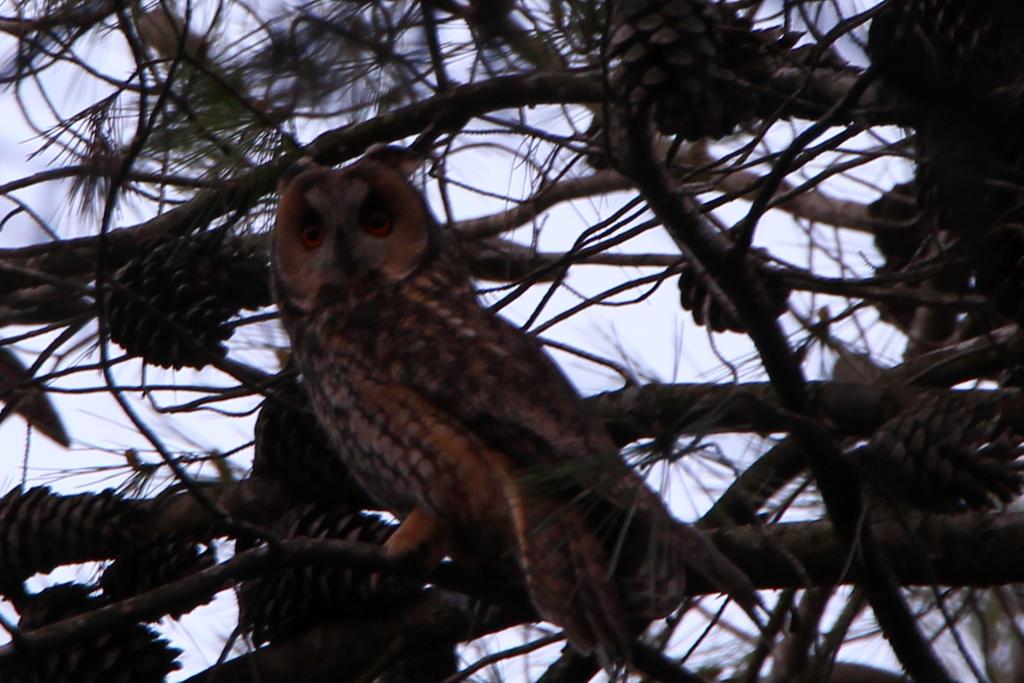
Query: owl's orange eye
point(377, 223)
point(312, 235)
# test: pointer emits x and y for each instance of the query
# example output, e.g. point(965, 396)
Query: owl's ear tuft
point(293, 171)
point(402, 159)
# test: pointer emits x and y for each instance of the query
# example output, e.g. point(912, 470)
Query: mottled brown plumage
point(459, 423)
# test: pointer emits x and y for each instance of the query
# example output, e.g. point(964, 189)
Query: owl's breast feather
point(403, 449)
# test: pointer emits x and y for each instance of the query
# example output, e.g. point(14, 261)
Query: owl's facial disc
point(348, 230)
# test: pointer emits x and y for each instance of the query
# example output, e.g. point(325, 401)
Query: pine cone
point(166, 559)
point(292, 448)
point(947, 456)
point(171, 305)
point(286, 602)
point(696, 297)
point(943, 51)
point(40, 530)
point(960, 61)
point(692, 61)
point(132, 654)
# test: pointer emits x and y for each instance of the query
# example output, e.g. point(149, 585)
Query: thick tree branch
point(75, 257)
point(153, 604)
point(810, 204)
point(599, 183)
point(977, 549)
point(341, 650)
point(855, 409)
point(955, 550)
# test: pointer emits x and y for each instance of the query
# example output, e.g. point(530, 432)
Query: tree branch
point(956, 550)
point(837, 480)
point(855, 409)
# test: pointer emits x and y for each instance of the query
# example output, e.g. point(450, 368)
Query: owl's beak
point(343, 255)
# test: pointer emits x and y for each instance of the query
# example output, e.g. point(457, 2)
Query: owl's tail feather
point(568, 577)
point(656, 553)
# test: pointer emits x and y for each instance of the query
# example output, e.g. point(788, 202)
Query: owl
point(459, 423)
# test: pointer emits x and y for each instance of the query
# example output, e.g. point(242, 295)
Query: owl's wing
point(498, 381)
point(491, 376)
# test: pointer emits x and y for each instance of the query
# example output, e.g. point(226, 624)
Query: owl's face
point(346, 230)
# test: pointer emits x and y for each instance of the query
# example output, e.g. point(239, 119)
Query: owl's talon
point(419, 538)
